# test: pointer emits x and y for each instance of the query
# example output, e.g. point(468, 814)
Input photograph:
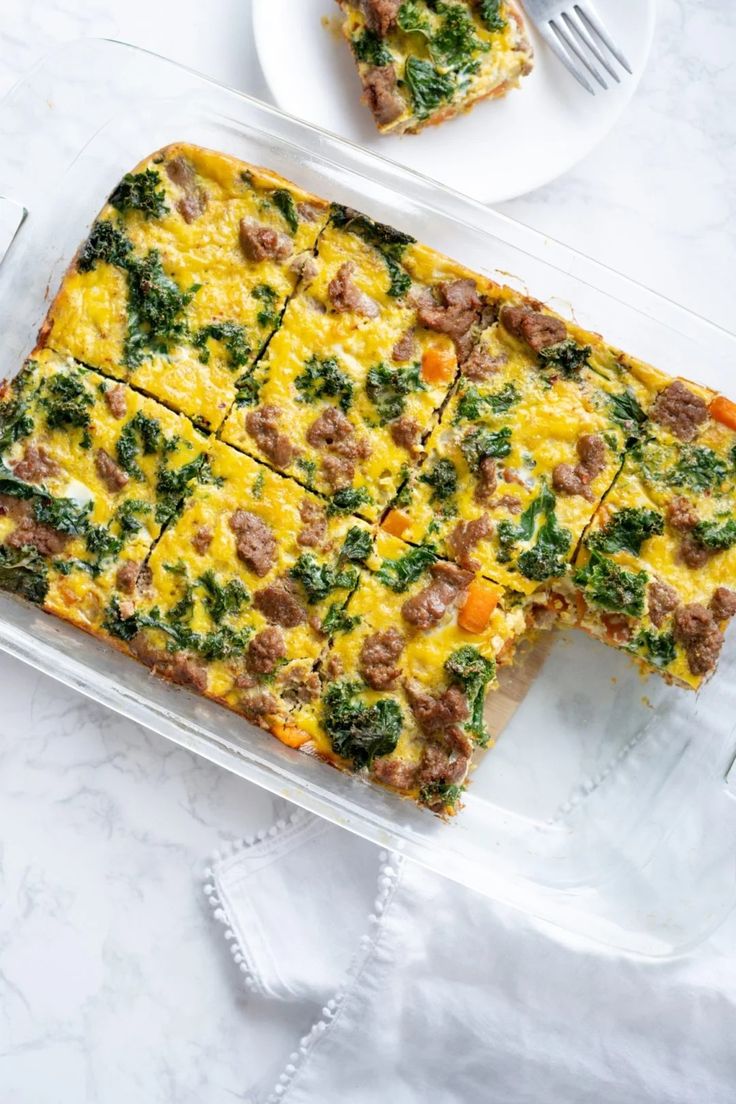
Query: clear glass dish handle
point(12, 217)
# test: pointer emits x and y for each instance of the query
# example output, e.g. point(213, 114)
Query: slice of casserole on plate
point(424, 61)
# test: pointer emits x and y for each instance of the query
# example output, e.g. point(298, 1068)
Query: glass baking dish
point(606, 806)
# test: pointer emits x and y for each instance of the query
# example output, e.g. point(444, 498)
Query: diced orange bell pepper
point(396, 522)
point(289, 734)
point(480, 603)
point(724, 411)
point(438, 365)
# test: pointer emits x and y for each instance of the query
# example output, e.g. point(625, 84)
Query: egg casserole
point(421, 62)
point(299, 463)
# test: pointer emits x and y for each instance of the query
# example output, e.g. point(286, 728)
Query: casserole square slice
point(423, 62)
point(404, 683)
point(184, 277)
point(245, 588)
point(656, 574)
point(530, 441)
point(90, 472)
point(368, 349)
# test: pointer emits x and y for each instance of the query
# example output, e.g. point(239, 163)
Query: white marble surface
point(114, 985)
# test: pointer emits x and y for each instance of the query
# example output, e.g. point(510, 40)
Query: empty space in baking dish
point(604, 807)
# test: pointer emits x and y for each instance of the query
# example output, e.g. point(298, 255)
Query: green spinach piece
point(63, 514)
point(324, 379)
point(401, 573)
point(233, 338)
point(358, 732)
point(472, 672)
point(107, 244)
point(611, 587)
point(141, 192)
point(478, 444)
point(387, 389)
point(627, 530)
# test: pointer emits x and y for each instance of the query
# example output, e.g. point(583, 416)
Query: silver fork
point(577, 35)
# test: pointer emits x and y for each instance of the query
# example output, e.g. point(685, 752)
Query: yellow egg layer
point(202, 258)
point(53, 392)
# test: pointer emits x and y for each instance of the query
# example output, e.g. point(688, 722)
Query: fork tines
point(583, 45)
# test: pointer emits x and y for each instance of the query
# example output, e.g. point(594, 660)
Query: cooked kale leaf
point(611, 587)
point(15, 423)
point(427, 86)
point(442, 478)
point(284, 200)
point(472, 672)
point(627, 530)
point(473, 402)
point(336, 620)
point(221, 600)
point(357, 546)
point(444, 794)
point(172, 484)
point(490, 13)
point(371, 49)
point(546, 560)
point(67, 402)
point(714, 536)
point(626, 410)
point(387, 389)
point(659, 647)
point(358, 732)
point(348, 500)
point(320, 579)
point(455, 43)
point(478, 444)
point(699, 468)
point(401, 573)
point(23, 572)
point(269, 314)
point(567, 357)
point(324, 379)
point(411, 20)
point(390, 243)
point(156, 310)
point(141, 192)
point(233, 338)
point(139, 435)
point(105, 243)
point(63, 514)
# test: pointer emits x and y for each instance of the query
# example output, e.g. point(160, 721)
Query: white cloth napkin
point(424, 991)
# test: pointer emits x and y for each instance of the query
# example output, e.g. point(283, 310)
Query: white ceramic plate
point(502, 149)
